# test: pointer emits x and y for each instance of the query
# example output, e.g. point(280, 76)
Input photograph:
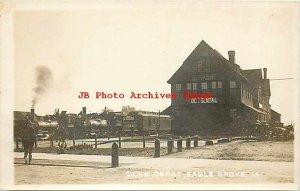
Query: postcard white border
point(7, 98)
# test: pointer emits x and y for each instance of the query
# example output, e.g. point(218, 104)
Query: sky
point(138, 48)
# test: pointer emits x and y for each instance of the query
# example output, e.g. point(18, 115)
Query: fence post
point(96, 141)
point(179, 145)
point(82, 146)
point(115, 155)
point(50, 143)
point(188, 143)
point(132, 131)
point(157, 148)
point(144, 142)
point(119, 139)
point(170, 145)
point(74, 137)
point(196, 138)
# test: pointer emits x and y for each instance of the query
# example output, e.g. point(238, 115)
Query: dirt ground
point(243, 150)
point(136, 170)
point(69, 174)
point(261, 162)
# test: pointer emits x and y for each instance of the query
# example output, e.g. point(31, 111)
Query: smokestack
point(231, 55)
point(31, 114)
point(265, 73)
point(84, 110)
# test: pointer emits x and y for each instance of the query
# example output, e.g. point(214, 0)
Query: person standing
point(62, 136)
point(35, 126)
point(29, 137)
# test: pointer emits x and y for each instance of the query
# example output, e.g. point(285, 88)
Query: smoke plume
point(43, 81)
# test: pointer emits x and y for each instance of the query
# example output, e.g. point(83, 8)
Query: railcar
point(138, 122)
point(148, 122)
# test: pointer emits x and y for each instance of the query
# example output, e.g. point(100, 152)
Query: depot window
point(178, 87)
point(213, 85)
point(194, 86)
point(259, 96)
point(188, 86)
point(203, 66)
point(203, 85)
point(232, 84)
point(220, 84)
point(200, 67)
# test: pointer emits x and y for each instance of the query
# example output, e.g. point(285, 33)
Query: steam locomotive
point(107, 123)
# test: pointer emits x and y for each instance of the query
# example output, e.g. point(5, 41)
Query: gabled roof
point(274, 112)
point(202, 49)
point(254, 75)
point(167, 111)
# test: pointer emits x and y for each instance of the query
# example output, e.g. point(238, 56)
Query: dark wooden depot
point(238, 98)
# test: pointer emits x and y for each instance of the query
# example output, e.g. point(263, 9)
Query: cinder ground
point(198, 165)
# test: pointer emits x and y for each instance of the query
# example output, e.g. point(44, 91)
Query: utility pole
point(158, 120)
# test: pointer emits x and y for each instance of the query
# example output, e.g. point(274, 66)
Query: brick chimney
point(31, 114)
point(231, 55)
point(265, 73)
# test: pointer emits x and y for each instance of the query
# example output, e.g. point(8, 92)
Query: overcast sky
point(139, 48)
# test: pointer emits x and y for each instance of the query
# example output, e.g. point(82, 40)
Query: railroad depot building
point(239, 97)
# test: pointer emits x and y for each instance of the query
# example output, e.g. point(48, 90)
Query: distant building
point(239, 97)
point(275, 119)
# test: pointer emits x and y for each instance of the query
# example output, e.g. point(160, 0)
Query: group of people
point(29, 139)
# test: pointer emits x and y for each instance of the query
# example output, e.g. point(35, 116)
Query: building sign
point(128, 118)
point(204, 100)
point(204, 77)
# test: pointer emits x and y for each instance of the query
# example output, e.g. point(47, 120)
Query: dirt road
point(82, 169)
point(246, 162)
